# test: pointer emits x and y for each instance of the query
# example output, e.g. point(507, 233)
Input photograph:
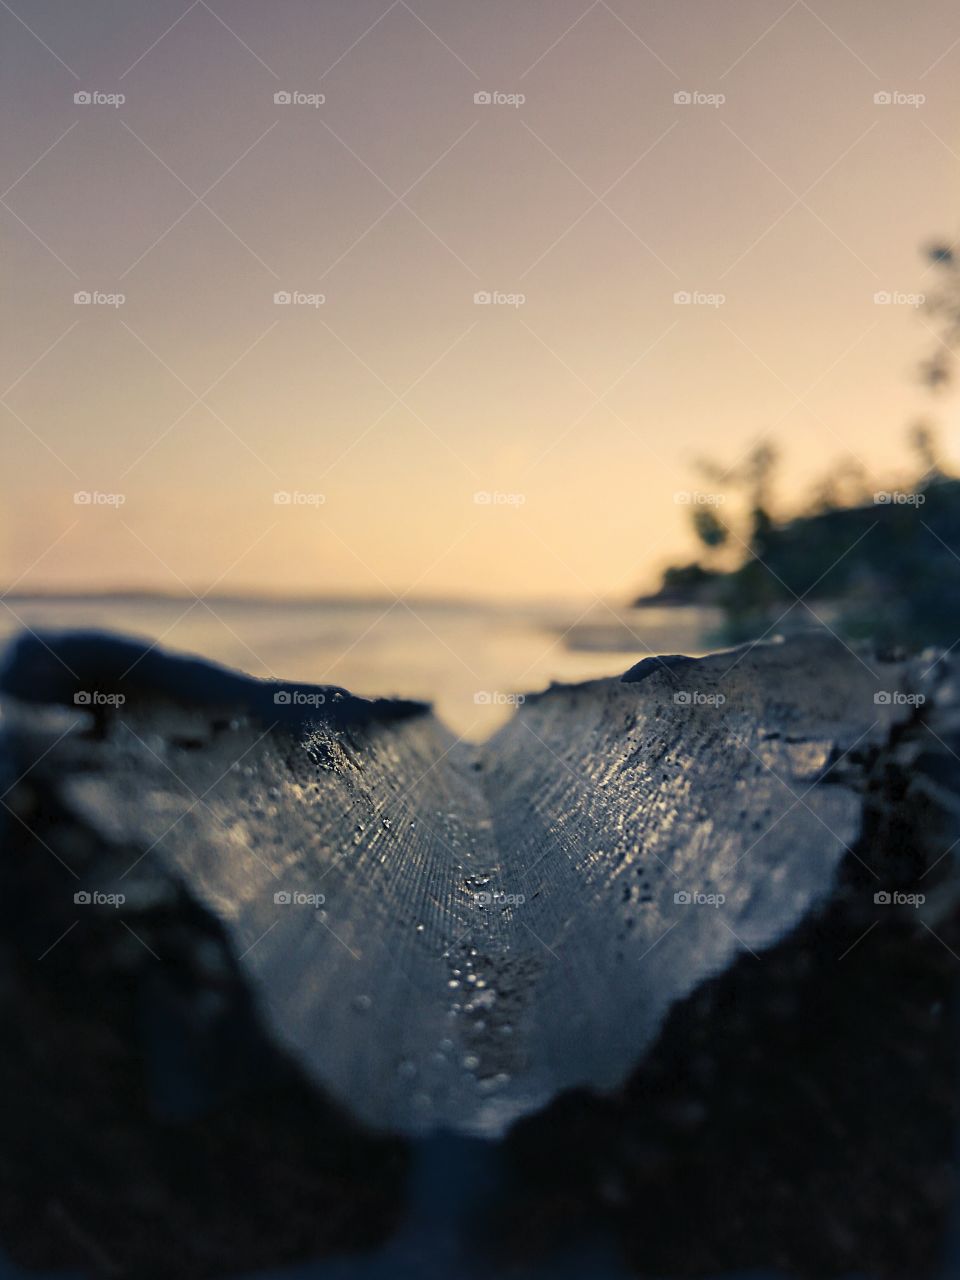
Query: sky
point(485, 217)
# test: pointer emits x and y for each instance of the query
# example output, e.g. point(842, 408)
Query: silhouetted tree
point(944, 305)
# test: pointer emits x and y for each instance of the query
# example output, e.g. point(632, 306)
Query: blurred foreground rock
point(680, 949)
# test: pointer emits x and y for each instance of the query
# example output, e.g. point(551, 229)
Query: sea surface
point(470, 660)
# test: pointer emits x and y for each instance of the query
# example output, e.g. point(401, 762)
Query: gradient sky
point(599, 198)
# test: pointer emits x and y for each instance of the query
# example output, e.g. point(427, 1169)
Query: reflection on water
point(469, 660)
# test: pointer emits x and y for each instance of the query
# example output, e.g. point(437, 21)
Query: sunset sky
point(386, 409)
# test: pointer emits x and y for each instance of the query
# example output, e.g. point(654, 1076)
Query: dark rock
point(640, 950)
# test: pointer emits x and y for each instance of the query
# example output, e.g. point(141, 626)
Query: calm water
point(467, 659)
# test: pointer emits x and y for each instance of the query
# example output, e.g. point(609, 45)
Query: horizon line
point(257, 596)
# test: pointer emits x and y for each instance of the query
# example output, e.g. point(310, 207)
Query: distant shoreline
point(120, 595)
point(245, 598)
